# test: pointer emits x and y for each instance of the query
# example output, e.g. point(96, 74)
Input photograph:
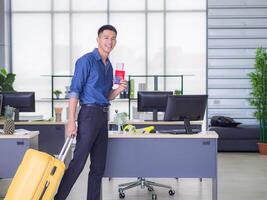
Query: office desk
point(52, 134)
point(12, 149)
point(163, 155)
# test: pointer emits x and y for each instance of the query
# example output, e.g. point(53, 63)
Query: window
point(154, 37)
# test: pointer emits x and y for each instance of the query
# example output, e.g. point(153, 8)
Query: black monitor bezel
point(20, 107)
point(182, 105)
point(153, 108)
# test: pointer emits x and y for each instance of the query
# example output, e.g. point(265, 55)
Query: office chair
point(143, 183)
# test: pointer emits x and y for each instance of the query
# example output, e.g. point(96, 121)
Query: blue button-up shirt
point(92, 80)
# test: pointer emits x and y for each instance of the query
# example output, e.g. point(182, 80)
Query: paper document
point(18, 131)
point(21, 132)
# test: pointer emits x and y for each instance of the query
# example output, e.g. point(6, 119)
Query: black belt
point(102, 107)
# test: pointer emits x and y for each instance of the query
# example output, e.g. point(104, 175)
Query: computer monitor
point(22, 101)
point(152, 101)
point(186, 108)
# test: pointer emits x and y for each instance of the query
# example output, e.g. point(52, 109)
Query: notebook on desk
point(179, 131)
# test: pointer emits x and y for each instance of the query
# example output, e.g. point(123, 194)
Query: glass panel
point(185, 4)
point(32, 52)
point(41, 5)
point(127, 5)
point(61, 44)
point(229, 93)
point(85, 27)
point(243, 43)
point(89, 5)
point(61, 4)
point(186, 49)
point(238, 53)
point(238, 2)
point(226, 83)
point(155, 44)
point(237, 22)
point(237, 33)
point(130, 47)
point(237, 12)
point(229, 73)
point(155, 4)
point(229, 103)
point(228, 63)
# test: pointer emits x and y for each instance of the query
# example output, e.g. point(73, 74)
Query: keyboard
point(179, 131)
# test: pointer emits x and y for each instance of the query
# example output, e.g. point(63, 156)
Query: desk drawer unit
point(11, 154)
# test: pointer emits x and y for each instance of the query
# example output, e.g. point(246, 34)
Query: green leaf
point(10, 78)
point(2, 79)
point(7, 88)
point(6, 80)
point(3, 71)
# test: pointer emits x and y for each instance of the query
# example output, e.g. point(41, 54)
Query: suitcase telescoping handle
point(62, 156)
point(65, 149)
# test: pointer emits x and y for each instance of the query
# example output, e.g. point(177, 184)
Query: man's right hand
point(71, 128)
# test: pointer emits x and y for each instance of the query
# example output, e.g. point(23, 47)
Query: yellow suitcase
point(38, 176)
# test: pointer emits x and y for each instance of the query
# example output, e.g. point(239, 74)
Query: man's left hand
point(123, 85)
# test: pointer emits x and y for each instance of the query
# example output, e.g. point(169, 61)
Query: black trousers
point(92, 138)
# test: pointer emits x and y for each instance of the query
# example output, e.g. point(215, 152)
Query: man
point(92, 86)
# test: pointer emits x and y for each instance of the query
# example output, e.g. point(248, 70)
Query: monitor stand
point(188, 129)
point(155, 115)
point(187, 125)
point(16, 118)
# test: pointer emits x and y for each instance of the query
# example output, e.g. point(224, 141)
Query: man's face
point(106, 41)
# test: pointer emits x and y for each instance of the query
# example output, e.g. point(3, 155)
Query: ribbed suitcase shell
point(38, 175)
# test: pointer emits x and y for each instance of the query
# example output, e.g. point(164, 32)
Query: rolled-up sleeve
point(82, 69)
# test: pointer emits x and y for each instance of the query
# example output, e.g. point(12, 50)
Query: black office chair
point(144, 184)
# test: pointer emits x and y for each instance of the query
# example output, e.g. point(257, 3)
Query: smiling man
point(92, 86)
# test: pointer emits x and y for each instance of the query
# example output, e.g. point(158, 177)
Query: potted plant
point(57, 93)
point(258, 80)
point(177, 92)
point(6, 80)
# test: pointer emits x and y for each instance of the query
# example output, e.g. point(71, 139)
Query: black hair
point(106, 27)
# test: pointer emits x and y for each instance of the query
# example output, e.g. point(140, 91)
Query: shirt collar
point(97, 55)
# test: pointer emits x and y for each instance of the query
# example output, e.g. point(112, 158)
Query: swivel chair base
point(143, 183)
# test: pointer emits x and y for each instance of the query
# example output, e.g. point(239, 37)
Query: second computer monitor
point(186, 108)
point(22, 101)
point(152, 101)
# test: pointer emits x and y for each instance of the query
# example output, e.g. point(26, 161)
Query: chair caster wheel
point(122, 195)
point(171, 192)
point(154, 197)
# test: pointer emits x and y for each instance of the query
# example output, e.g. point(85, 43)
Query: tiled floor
point(241, 176)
